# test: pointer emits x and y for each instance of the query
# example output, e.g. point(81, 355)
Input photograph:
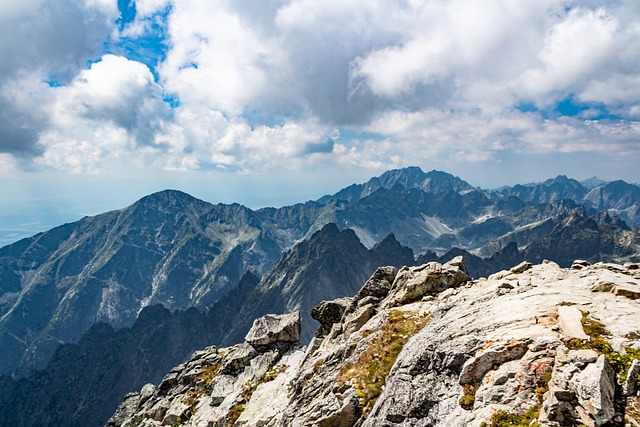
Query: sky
point(273, 102)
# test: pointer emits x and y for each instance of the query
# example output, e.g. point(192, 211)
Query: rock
point(602, 286)
point(595, 388)
point(330, 312)
point(221, 387)
point(579, 264)
point(239, 357)
point(355, 321)
point(476, 355)
point(521, 268)
point(475, 368)
point(272, 328)
point(627, 290)
point(634, 266)
point(379, 284)
point(412, 283)
point(570, 321)
point(582, 357)
point(630, 385)
point(147, 391)
point(126, 409)
point(344, 416)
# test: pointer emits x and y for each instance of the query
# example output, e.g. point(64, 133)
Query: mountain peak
point(409, 178)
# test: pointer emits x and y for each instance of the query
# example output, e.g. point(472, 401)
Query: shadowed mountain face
point(172, 249)
point(331, 264)
point(84, 382)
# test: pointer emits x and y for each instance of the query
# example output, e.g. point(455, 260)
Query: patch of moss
point(234, 414)
point(596, 330)
point(369, 372)
point(468, 396)
point(504, 419)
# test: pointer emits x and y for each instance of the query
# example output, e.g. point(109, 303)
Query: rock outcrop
point(426, 346)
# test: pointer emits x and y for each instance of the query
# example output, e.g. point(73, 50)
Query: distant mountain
point(563, 239)
point(408, 178)
point(621, 198)
point(595, 238)
point(550, 190)
point(167, 248)
point(592, 182)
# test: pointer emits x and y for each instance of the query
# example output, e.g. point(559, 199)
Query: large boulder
point(379, 284)
point(330, 312)
point(595, 388)
point(413, 283)
point(275, 328)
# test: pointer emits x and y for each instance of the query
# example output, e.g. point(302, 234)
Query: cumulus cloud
point(43, 41)
point(287, 83)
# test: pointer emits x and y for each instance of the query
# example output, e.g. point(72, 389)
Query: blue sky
point(278, 101)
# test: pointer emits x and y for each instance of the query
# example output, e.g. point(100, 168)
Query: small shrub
point(504, 419)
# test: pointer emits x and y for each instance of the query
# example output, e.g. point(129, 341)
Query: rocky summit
point(535, 345)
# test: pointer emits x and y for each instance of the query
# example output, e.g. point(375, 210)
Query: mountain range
point(234, 264)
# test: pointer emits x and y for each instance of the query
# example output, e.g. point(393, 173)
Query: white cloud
point(576, 49)
point(146, 8)
point(271, 84)
point(216, 59)
point(43, 40)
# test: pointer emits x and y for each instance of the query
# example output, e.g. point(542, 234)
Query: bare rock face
point(435, 350)
point(274, 328)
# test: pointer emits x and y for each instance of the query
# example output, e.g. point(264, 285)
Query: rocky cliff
point(426, 346)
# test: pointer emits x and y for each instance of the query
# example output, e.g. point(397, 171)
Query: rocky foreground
point(426, 346)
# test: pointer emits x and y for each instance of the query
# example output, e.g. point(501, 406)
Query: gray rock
point(582, 357)
point(379, 284)
point(570, 320)
point(355, 321)
point(221, 387)
point(521, 268)
point(147, 391)
point(239, 357)
point(413, 283)
point(630, 385)
point(125, 411)
point(330, 312)
point(595, 388)
point(273, 328)
point(475, 368)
